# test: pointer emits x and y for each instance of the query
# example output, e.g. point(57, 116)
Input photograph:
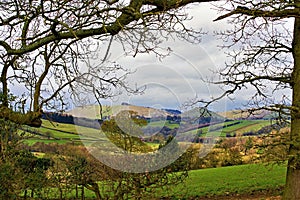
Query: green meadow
point(224, 181)
point(233, 180)
point(53, 132)
point(242, 179)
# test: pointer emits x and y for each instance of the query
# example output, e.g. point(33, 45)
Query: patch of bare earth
point(258, 195)
point(240, 197)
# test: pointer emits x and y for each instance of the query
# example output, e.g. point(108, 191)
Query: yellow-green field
point(64, 133)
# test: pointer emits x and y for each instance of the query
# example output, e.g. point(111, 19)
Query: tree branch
point(31, 118)
point(129, 14)
point(261, 13)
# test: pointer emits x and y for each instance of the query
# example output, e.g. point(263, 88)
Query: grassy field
point(53, 132)
point(242, 127)
point(164, 123)
point(64, 133)
point(246, 126)
point(243, 179)
point(32, 141)
point(214, 182)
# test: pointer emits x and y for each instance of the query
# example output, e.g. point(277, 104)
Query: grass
point(233, 180)
point(246, 126)
point(242, 127)
point(243, 179)
point(58, 134)
point(71, 128)
point(73, 131)
point(69, 133)
point(164, 123)
point(63, 127)
point(61, 133)
point(34, 140)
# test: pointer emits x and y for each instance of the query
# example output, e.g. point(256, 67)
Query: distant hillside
point(243, 114)
point(93, 111)
point(203, 113)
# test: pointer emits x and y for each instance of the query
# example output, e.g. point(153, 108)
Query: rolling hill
point(93, 111)
point(243, 114)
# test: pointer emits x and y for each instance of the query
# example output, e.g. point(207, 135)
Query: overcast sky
point(179, 77)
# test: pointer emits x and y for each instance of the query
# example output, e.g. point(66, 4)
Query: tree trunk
point(95, 188)
point(292, 187)
point(32, 193)
point(82, 192)
point(60, 193)
point(76, 191)
point(25, 194)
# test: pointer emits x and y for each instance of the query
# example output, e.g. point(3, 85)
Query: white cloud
point(179, 77)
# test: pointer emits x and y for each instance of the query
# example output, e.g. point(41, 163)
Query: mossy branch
point(30, 118)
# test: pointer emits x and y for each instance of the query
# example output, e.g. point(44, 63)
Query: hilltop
point(93, 111)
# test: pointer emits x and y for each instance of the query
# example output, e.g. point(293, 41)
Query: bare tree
point(265, 55)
